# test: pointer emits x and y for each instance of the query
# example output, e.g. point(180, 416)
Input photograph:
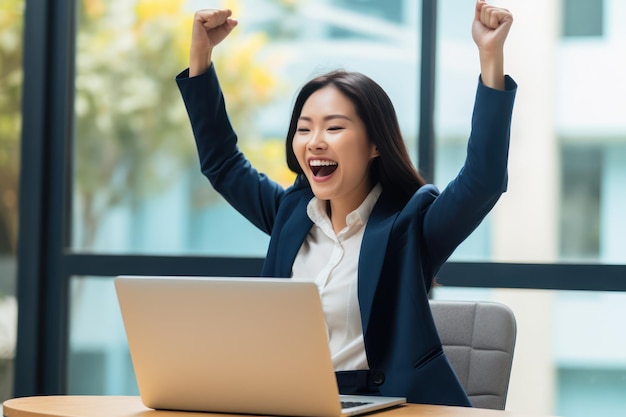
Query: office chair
point(478, 339)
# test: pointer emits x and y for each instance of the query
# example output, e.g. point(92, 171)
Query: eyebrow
point(326, 118)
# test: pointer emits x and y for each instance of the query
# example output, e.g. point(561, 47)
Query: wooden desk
point(112, 406)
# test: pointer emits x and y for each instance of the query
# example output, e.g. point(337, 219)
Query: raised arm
point(463, 204)
point(210, 27)
point(251, 193)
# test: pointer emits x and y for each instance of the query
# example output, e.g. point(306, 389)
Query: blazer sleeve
point(251, 193)
point(467, 199)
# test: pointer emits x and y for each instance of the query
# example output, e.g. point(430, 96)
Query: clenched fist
point(210, 27)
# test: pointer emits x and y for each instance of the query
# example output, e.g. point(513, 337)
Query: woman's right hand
point(210, 27)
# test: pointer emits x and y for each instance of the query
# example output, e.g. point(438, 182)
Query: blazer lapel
point(292, 235)
point(372, 256)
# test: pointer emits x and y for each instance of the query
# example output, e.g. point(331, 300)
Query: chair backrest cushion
point(479, 339)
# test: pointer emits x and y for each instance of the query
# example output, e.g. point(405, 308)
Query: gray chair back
point(478, 339)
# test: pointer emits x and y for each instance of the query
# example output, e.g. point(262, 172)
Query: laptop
point(233, 345)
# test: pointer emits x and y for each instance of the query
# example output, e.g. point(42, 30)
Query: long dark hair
point(393, 168)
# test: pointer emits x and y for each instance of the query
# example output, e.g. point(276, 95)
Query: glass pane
point(567, 175)
point(574, 341)
point(569, 355)
point(98, 358)
point(137, 186)
point(583, 18)
point(11, 28)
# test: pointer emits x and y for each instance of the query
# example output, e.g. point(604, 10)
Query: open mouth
point(322, 167)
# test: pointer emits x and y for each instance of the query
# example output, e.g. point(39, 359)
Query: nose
point(316, 141)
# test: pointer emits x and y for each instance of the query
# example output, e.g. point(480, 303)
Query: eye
point(335, 128)
point(302, 130)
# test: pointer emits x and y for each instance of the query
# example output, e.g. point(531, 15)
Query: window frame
point(45, 265)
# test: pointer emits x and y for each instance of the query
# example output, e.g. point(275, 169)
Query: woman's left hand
point(491, 27)
point(489, 30)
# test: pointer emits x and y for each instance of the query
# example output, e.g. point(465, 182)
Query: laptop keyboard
point(352, 404)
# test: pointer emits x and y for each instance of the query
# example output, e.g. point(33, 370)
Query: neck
point(337, 215)
point(338, 209)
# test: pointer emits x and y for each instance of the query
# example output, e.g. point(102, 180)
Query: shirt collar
point(316, 209)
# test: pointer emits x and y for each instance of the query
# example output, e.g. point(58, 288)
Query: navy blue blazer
point(403, 247)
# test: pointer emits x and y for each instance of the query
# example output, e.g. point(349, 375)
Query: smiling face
point(333, 150)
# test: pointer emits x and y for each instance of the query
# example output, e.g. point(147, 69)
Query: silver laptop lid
point(238, 345)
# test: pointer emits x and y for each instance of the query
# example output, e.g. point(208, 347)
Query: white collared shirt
point(331, 261)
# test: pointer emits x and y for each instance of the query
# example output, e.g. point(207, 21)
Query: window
point(137, 186)
point(567, 140)
point(11, 25)
point(558, 332)
point(565, 200)
point(581, 176)
point(365, 16)
point(583, 18)
point(127, 214)
point(130, 118)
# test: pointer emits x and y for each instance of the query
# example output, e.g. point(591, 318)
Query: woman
point(359, 220)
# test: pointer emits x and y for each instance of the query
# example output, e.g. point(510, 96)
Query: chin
point(320, 194)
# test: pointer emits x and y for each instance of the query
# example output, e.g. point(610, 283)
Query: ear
point(374, 153)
